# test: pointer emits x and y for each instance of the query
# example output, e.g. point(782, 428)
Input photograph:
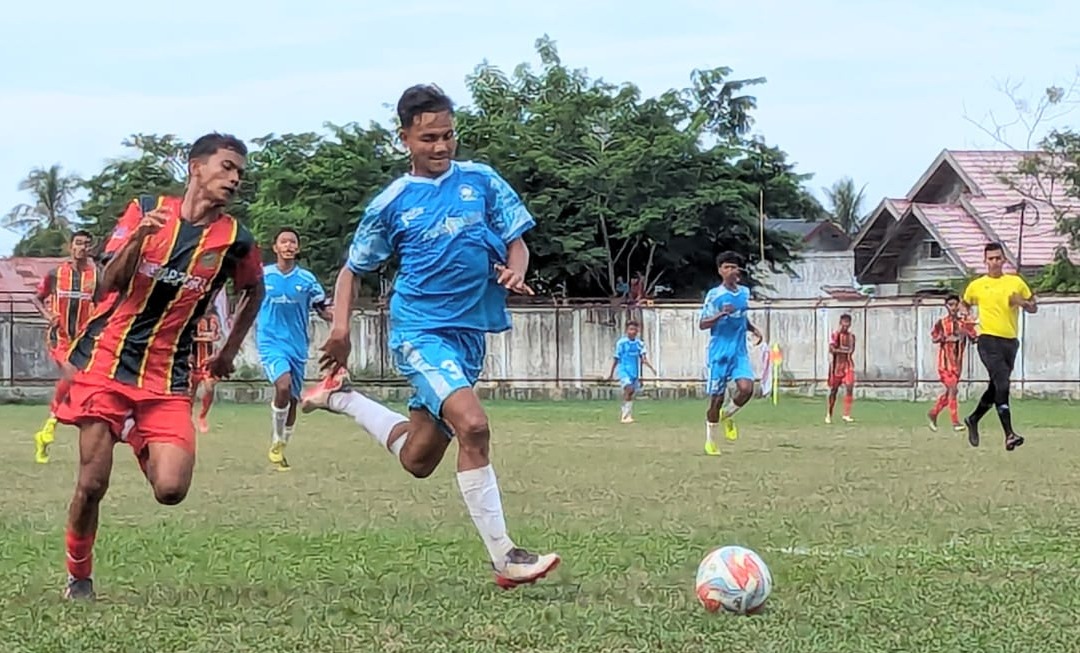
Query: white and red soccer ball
point(733, 579)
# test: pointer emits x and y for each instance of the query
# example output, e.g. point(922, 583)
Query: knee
point(91, 487)
point(745, 389)
point(169, 492)
point(418, 465)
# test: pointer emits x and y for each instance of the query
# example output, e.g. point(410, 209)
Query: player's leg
point(1002, 383)
point(296, 389)
point(834, 389)
point(942, 401)
point(416, 441)
point(743, 373)
point(278, 373)
point(629, 386)
point(849, 393)
point(164, 444)
point(715, 387)
point(47, 434)
point(207, 385)
point(990, 356)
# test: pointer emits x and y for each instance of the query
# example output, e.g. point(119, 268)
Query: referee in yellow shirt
point(999, 298)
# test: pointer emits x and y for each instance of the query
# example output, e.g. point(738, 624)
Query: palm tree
point(53, 203)
point(845, 204)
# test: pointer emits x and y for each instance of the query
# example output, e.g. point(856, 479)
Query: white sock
point(481, 493)
point(627, 408)
point(373, 417)
point(287, 433)
point(709, 428)
point(278, 417)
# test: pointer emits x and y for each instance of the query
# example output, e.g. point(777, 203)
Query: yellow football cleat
point(731, 432)
point(711, 449)
point(42, 440)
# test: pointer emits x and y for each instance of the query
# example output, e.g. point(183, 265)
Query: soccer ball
point(734, 579)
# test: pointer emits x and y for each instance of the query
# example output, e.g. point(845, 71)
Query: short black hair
point(729, 257)
point(993, 247)
point(287, 230)
point(845, 316)
point(952, 297)
point(632, 323)
point(209, 144)
point(81, 232)
point(420, 99)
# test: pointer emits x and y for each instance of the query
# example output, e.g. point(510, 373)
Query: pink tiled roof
point(992, 194)
point(18, 278)
point(959, 232)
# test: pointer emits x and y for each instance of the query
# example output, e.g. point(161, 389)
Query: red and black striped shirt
point(208, 327)
point(70, 293)
point(951, 354)
point(142, 335)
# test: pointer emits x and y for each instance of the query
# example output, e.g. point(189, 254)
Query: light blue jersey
point(448, 233)
point(281, 329)
point(629, 354)
point(727, 354)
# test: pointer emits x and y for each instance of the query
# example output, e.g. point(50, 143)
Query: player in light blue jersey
point(724, 316)
point(456, 229)
point(281, 332)
point(630, 357)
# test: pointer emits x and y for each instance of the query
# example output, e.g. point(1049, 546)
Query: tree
point(845, 204)
point(157, 167)
point(46, 221)
point(626, 185)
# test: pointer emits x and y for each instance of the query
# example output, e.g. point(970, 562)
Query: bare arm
point(250, 301)
point(517, 257)
point(646, 363)
point(345, 289)
point(121, 267)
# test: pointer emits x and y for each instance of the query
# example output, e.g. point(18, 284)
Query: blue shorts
point(723, 370)
point(438, 364)
point(631, 382)
point(276, 364)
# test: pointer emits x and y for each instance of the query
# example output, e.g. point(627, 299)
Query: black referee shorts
point(998, 355)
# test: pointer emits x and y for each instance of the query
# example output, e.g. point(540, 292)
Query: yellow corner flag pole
point(776, 358)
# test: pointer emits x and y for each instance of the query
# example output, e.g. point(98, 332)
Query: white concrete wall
point(811, 273)
point(566, 351)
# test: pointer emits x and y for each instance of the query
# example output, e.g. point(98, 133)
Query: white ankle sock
point(373, 417)
point(278, 417)
point(481, 493)
point(627, 408)
point(709, 428)
point(288, 433)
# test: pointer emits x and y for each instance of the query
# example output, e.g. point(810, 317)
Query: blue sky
point(873, 91)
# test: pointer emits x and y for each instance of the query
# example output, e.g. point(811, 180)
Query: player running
point(281, 332)
point(999, 298)
point(951, 334)
point(67, 292)
point(630, 356)
point(842, 368)
point(456, 228)
point(207, 333)
point(724, 316)
point(166, 259)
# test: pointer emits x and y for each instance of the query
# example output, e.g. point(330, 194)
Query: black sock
point(981, 409)
point(1005, 415)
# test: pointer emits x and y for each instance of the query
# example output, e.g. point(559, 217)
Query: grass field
point(881, 536)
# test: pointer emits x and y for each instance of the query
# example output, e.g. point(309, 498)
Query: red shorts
point(846, 377)
point(158, 418)
point(949, 378)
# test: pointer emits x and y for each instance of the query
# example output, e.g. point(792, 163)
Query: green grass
point(881, 536)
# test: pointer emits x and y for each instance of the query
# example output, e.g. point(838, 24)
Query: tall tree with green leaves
point(46, 221)
point(846, 204)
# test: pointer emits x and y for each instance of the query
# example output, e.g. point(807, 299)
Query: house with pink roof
point(964, 200)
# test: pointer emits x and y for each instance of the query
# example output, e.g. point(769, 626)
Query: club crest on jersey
point(209, 259)
point(467, 193)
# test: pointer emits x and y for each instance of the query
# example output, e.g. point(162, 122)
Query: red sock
point(847, 404)
point(207, 401)
point(941, 401)
point(952, 410)
point(80, 554)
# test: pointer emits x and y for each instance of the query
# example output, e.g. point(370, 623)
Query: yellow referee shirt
point(991, 295)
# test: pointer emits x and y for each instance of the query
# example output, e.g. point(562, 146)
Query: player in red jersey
point(842, 368)
point(67, 293)
point(164, 263)
point(207, 333)
point(951, 333)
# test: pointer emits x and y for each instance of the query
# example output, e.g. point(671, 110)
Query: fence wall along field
point(566, 350)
